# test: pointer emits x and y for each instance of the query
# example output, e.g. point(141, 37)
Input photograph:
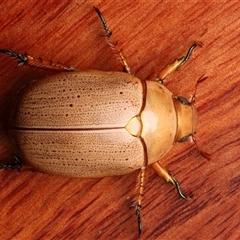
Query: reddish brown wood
point(39, 206)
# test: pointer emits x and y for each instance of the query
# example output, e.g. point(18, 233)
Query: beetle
point(96, 124)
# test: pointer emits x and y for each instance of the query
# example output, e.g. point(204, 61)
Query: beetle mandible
point(95, 124)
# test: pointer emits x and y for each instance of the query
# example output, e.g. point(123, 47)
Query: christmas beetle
point(95, 124)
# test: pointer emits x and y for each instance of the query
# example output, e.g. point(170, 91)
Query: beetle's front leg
point(33, 62)
point(113, 43)
point(162, 172)
point(175, 64)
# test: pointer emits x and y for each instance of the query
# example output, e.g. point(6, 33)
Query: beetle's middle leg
point(139, 200)
point(162, 172)
point(25, 59)
point(113, 43)
point(175, 64)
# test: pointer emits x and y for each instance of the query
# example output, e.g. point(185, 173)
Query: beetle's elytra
point(96, 124)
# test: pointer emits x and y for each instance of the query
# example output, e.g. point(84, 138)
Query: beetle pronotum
point(96, 124)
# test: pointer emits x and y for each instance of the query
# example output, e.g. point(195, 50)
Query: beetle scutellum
point(96, 124)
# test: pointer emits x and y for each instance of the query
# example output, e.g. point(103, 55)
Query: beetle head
point(187, 119)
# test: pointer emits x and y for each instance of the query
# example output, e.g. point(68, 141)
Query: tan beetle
point(95, 124)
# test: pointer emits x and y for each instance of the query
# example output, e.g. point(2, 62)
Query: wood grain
point(41, 206)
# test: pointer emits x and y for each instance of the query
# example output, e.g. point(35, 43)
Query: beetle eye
point(184, 139)
point(183, 100)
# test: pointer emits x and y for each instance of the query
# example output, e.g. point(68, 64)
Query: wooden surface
point(39, 206)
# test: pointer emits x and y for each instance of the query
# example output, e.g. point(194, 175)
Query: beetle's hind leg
point(162, 172)
point(113, 43)
point(12, 165)
point(25, 59)
point(175, 64)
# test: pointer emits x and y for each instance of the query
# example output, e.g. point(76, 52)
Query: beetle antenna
point(201, 79)
point(204, 154)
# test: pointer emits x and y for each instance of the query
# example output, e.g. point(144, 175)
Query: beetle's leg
point(139, 200)
point(175, 64)
point(12, 165)
point(113, 43)
point(33, 62)
point(162, 172)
